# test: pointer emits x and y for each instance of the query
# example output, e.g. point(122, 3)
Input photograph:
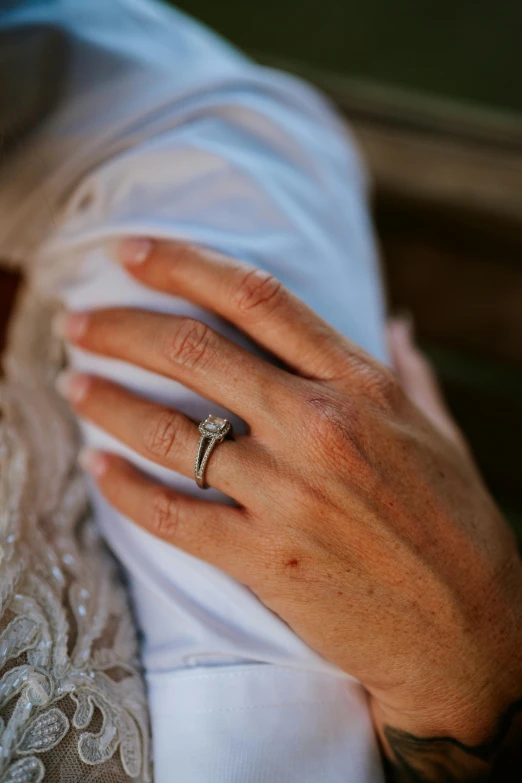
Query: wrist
point(413, 755)
point(463, 694)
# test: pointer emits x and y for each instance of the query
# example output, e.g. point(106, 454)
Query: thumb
point(418, 379)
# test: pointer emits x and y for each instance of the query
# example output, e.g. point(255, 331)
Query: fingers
point(187, 351)
point(220, 535)
point(160, 434)
point(418, 379)
point(253, 300)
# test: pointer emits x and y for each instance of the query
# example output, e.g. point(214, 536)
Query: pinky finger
point(218, 534)
point(419, 380)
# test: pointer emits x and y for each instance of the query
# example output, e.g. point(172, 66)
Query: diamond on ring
point(213, 430)
point(214, 426)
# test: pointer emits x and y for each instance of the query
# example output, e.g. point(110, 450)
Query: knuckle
point(338, 438)
point(387, 389)
point(257, 293)
point(380, 386)
point(164, 515)
point(160, 434)
point(190, 345)
point(327, 426)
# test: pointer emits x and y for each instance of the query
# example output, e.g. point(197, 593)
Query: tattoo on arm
point(446, 759)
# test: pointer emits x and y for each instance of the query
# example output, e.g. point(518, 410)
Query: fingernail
point(72, 385)
point(70, 326)
point(93, 461)
point(135, 250)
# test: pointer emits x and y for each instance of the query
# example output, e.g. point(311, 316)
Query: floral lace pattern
point(72, 698)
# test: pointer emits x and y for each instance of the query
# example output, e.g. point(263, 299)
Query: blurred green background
point(468, 50)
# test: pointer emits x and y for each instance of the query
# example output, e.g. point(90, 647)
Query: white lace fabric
point(72, 698)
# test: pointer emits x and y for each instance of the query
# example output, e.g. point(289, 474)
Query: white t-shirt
point(165, 130)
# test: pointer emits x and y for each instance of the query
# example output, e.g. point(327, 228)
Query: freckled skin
point(361, 520)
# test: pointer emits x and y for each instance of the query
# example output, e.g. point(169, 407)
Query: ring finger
point(160, 434)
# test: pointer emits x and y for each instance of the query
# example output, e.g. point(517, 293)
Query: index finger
point(250, 298)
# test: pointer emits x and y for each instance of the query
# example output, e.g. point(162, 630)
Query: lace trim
point(68, 649)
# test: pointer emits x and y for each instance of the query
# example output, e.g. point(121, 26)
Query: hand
point(361, 521)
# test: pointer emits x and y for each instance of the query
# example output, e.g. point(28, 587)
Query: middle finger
point(187, 351)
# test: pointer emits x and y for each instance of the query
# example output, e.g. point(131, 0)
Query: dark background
point(466, 50)
point(433, 92)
